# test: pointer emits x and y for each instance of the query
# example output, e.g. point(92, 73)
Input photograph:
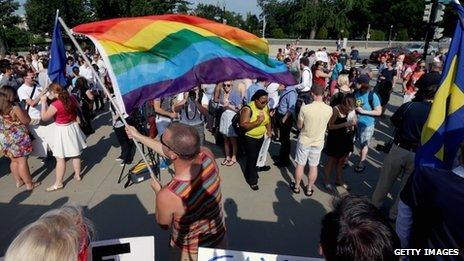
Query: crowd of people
point(333, 108)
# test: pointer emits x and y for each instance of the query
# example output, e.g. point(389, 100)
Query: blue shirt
point(69, 69)
point(336, 71)
point(362, 100)
point(251, 91)
point(287, 100)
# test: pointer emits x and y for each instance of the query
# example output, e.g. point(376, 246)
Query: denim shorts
point(364, 135)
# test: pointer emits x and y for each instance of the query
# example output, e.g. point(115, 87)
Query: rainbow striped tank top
point(202, 224)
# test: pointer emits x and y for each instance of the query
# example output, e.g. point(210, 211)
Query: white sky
point(240, 6)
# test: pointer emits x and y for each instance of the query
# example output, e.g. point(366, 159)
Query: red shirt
point(62, 116)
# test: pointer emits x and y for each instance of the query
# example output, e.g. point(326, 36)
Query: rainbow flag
point(157, 56)
point(444, 130)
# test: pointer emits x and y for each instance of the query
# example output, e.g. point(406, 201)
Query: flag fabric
point(57, 64)
point(157, 56)
point(444, 130)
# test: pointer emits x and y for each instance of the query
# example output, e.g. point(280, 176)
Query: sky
point(239, 6)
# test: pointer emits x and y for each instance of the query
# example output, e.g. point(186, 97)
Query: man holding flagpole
point(430, 212)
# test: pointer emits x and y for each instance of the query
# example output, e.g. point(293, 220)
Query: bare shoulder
point(207, 152)
point(165, 196)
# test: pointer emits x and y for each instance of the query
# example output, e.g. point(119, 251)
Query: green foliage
point(402, 35)
point(16, 37)
point(40, 14)
point(216, 13)
point(322, 33)
point(377, 35)
point(278, 33)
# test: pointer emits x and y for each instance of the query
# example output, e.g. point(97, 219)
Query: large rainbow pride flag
point(156, 56)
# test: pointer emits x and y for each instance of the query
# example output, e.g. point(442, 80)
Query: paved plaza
point(271, 220)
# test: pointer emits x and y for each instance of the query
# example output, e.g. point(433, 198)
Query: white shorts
point(311, 154)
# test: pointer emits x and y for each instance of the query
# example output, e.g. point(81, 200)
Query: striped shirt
point(202, 224)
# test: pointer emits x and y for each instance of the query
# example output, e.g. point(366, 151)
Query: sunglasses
point(227, 85)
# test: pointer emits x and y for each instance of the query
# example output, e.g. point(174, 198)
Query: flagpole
point(118, 110)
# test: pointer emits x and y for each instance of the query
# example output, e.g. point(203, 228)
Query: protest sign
point(263, 152)
point(210, 254)
point(123, 249)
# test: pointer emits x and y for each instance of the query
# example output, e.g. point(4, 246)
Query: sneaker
point(164, 164)
point(264, 168)
point(119, 159)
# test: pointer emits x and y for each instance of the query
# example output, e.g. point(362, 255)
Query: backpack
point(239, 130)
point(370, 99)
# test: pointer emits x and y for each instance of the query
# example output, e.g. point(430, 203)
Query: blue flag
point(57, 64)
point(444, 130)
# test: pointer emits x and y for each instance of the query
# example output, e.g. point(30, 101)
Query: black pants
point(252, 147)
point(127, 151)
point(98, 98)
point(284, 129)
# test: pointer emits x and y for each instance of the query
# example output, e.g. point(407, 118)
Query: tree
point(8, 21)
point(40, 14)
point(252, 23)
point(215, 13)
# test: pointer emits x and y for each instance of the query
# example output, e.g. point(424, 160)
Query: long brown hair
point(8, 97)
point(63, 95)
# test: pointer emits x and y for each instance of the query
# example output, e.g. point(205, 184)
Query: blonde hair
point(57, 235)
point(343, 80)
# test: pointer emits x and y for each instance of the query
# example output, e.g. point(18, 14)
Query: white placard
point(211, 254)
point(132, 249)
point(263, 152)
point(322, 56)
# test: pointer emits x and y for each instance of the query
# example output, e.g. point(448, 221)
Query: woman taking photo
point(320, 77)
point(340, 140)
point(67, 140)
point(15, 142)
point(230, 101)
point(255, 119)
point(410, 81)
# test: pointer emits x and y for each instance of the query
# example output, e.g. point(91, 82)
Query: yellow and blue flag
point(444, 130)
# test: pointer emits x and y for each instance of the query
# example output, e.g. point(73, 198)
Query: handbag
point(84, 125)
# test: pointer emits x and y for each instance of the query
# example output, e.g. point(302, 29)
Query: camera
point(192, 95)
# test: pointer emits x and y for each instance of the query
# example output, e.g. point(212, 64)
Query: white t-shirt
point(273, 94)
point(24, 93)
point(86, 72)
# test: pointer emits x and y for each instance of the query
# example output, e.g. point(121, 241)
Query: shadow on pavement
point(296, 231)
point(10, 225)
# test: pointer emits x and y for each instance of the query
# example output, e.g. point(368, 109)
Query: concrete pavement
point(271, 220)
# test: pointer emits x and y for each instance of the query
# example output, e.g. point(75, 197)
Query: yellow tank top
point(258, 132)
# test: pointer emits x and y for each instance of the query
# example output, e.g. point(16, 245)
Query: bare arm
point(178, 105)
point(21, 115)
point(161, 111)
point(320, 73)
point(376, 112)
point(89, 95)
point(165, 201)
point(245, 117)
point(46, 112)
point(149, 142)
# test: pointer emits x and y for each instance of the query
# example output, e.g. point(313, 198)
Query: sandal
point(19, 184)
point(359, 168)
point(254, 187)
point(329, 188)
point(230, 163)
point(344, 185)
point(34, 185)
point(77, 177)
point(224, 162)
point(54, 188)
point(308, 192)
point(294, 188)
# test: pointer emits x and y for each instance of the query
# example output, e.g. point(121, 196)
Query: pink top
point(62, 116)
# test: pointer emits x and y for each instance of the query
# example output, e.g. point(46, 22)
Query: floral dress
point(14, 137)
